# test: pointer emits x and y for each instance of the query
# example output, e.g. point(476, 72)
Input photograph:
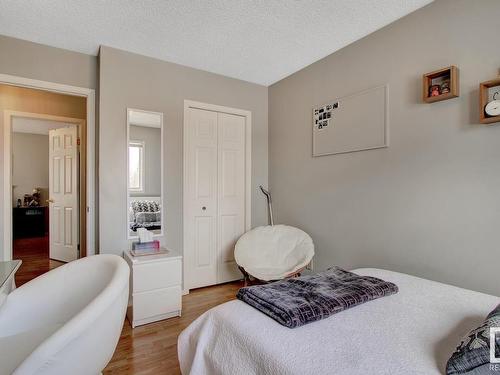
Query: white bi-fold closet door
point(215, 195)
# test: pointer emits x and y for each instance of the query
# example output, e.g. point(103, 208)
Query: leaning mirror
point(145, 172)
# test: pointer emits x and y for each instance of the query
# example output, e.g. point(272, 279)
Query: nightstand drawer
point(157, 302)
point(157, 275)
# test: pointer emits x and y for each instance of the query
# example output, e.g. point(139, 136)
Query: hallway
point(34, 252)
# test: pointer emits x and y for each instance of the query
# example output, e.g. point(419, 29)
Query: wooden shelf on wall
point(484, 98)
point(440, 79)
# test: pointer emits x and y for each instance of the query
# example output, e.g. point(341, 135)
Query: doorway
point(45, 191)
point(46, 153)
point(38, 171)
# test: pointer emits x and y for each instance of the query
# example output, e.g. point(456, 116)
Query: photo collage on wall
point(323, 115)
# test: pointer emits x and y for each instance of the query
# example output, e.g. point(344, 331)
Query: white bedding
point(412, 332)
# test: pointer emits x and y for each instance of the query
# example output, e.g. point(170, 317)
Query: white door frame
point(248, 165)
point(87, 93)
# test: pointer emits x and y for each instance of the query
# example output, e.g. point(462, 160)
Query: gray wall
point(130, 80)
point(429, 205)
point(31, 60)
point(152, 158)
point(36, 61)
point(30, 165)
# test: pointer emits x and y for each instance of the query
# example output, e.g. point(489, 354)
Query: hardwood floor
point(34, 252)
point(148, 349)
point(152, 348)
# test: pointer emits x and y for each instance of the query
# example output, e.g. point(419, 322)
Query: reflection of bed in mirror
point(145, 212)
point(145, 172)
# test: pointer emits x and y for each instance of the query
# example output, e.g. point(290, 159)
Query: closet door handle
point(204, 208)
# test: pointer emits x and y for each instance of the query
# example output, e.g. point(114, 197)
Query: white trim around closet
point(248, 162)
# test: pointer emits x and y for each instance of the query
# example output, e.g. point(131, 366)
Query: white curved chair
point(274, 252)
point(67, 321)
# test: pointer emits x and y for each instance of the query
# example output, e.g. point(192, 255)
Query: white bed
point(412, 332)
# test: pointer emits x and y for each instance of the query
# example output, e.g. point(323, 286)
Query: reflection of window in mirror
point(136, 166)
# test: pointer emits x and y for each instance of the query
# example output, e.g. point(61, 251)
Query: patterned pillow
point(474, 350)
point(145, 206)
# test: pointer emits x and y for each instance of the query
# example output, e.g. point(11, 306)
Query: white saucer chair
point(67, 321)
point(273, 252)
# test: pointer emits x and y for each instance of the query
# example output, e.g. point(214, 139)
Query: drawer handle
point(203, 208)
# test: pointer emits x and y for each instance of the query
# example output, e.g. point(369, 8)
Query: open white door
point(63, 193)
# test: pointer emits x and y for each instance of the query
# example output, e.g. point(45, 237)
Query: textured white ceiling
point(142, 118)
point(260, 41)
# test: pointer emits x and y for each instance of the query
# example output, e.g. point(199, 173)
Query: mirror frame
point(162, 185)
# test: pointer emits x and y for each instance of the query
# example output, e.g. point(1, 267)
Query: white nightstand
point(155, 287)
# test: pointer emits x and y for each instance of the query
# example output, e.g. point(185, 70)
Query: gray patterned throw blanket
point(298, 301)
